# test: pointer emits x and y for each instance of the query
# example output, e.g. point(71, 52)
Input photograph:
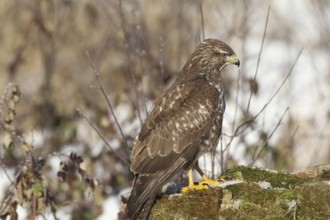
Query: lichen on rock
point(287, 196)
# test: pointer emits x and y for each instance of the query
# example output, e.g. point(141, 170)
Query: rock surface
point(258, 194)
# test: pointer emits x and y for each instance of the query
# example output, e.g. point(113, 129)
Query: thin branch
point(290, 145)
point(4, 169)
point(244, 125)
point(236, 99)
point(140, 93)
point(202, 19)
point(101, 136)
point(281, 85)
point(259, 57)
point(269, 136)
point(161, 61)
point(221, 160)
point(293, 135)
point(128, 51)
point(107, 99)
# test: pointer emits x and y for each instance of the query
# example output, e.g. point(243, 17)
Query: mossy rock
point(203, 204)
point(285, 196)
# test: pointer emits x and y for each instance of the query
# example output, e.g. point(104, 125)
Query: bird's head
point(211, 55)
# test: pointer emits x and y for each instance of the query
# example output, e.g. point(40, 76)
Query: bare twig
point(107, 99)
point(102, 136)
point(289, 149)
point(293, 135)
point(202, 18)
point(269, 136)
point(4, 169)
point(129, 49)
point(236, 99)
point(161, 60)
point(281, 85)
point(259, 58)
point(244, 125)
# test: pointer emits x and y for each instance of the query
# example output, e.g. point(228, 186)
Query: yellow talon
point(194, 188)
point(205, 184)
point(209, 181)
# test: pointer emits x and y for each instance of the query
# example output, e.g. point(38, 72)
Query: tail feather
point(145, 189)
point(140, 211)
point(146, 209)
point(142, 198)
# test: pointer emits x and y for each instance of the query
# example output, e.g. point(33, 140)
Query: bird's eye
point(224, 55)
point(221, 54)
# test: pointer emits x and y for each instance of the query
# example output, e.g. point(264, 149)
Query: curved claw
point(211, 182)
point(205, 184)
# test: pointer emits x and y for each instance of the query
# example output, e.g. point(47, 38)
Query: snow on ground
point(5, 182)
point(110, 208)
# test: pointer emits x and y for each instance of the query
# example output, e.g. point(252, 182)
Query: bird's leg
point(206, 180)
point(191, 186)
point(205, 184)
point(191, 179)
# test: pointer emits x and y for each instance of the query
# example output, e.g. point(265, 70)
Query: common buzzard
point(185, 122)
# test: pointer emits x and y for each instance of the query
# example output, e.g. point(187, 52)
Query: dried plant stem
point(255, 157)
point(244, 125)
point(259, 58)
point(107, 99)
point(202, 19)
point(130, 50)
point(102, 136)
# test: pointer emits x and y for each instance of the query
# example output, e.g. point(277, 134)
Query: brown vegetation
point(138, 47)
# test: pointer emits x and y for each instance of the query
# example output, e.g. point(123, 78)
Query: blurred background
point(278, 105)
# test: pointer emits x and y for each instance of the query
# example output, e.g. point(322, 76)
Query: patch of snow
point(175, 195)
point(110, 208)
point(123, 114)
point(64, 213)
point(265, 185)
point(112, 205)
point(291, 205)
point(85, 134)
point(114, 143)
point(97, 148)
point(22, 213)
point(229, 183)
point(54, 162)
point(237, 203)
point(68, 148)
point(36, 137)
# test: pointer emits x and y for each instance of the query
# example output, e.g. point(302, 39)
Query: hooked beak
point(233, 60)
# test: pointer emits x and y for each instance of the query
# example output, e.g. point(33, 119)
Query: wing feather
point(180, 119)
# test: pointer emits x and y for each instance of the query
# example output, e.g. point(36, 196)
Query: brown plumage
point(185, 121)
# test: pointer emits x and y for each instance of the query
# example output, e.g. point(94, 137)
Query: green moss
point(202, 204)
point(314, 201)
point(259, 203)
point(248, 174)
point(289, 197)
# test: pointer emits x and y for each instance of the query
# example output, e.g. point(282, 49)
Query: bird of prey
point(185, 122)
